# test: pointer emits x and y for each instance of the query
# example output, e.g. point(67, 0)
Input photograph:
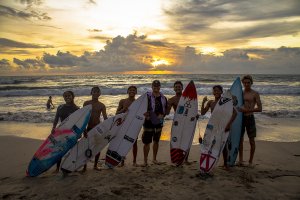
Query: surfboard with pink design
point(215, 136)
point(184, 124)
point(59, 143)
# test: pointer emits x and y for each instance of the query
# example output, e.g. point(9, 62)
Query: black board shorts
point(249, 126)
point(150, 134)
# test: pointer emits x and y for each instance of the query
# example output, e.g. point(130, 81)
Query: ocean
point(23, 99)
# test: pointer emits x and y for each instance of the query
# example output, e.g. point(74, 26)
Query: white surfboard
point(184, 124)
point(97, 139)
point(128, 133)
point(215, 136)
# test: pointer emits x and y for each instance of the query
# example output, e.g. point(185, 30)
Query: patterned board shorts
point(150, 134)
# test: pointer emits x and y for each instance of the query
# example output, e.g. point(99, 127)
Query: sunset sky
point(149, 36)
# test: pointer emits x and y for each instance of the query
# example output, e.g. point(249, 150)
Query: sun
point(158, 62)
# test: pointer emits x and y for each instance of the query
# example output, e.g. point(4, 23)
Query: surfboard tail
point(112, 159)
point(207, 162)
point(178, 156)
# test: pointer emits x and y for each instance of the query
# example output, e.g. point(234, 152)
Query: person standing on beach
point(154, 118)
point(49, 103)
point(98, 108)
point(173, 103)
point(122, 108)
point(63, 111)
point(217, 92)
point(252, 104)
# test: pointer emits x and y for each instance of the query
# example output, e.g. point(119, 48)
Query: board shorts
point(249, 126)
point(150, 134)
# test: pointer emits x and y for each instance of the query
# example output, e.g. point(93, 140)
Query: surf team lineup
point(81, 135)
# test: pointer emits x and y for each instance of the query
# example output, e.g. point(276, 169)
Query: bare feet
point(97, 168)
point(144, 165)
point(187, 162)
point(135, 164)
point(121, 164)
point(241, 164)
point(251, 165)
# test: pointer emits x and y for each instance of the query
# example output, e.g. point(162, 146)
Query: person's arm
point(120, 108)
point(104, 112)
point(233, 116)
point(55, 119)
point(206, 108)
point(258, 103)
point(169, 107)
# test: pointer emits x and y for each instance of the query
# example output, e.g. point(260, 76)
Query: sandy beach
point(276, 175)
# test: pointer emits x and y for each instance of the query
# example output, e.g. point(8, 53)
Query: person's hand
point(243, 109)
point(85, 134)
point(147, 115)
point(200, 140)
point(160, 116)
point(197, 116)
point(227, 128)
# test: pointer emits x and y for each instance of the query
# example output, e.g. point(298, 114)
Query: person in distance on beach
point(63, 111)
point(173, 103)
point(122, 108)
point(49, 104)
point(217, 92)
point(252, 103)
point(154, 119)
point(98, 108)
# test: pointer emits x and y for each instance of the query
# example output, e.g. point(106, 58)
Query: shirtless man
point(173, 103)
point(122, 108)
point(98, 108)
point(252, 104)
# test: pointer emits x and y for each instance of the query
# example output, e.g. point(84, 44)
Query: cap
point(156, 83)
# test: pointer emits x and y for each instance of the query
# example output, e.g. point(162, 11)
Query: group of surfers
point(160, 106)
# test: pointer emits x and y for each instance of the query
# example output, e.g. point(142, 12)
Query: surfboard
point(184, 124)
point(128, 133)
point(215, 136)
point(236, 127)
point(57, 144)
point(97, 139)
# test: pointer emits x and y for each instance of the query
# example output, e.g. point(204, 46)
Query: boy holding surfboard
point(63, 111)
point(217, 92)
point(252, 103)
point(122, 108)
point(157, 105)
point(98, 108)
point(173, 103)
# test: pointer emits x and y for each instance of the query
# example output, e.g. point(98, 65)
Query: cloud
point(264, 17)
point(95, 30)
point(136, 53)
point(4, 42)
point(27, 15)
point(101, 38)
point(282, 60)
point(4, 65)
point(29, 63)
point(92, 2)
